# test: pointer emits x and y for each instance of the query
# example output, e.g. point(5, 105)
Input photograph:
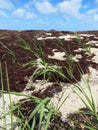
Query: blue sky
point(68, 15)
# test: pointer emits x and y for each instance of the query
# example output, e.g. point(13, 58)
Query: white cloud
point(28, 5)
point(96, 17)
point(23, 13)
point(91, 11)
point(96, 1)
point(85, 6)
point(30, 15)
point(92, 15)
point(70, 7)
point(66, 7)
point(42, 22)
point(3, 14)
point(19, 12)
point(44, 7)
point(90, 19)
point(6, 4)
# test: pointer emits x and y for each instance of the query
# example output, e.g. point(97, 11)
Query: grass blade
point(48, 119)
point(3, 101)
point(37, 109)
point(41, 116)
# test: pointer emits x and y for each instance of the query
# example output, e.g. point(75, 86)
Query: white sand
point(67, 37)
point(58, 56)
point(44, 38)
point(87, 35)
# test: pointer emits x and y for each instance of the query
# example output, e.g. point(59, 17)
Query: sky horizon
point(65, 15)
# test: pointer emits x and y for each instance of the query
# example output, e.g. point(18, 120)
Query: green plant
point(39, 109)
point(8, 85)
point(69, 67)
point(86, 47)
point(3, 102)
point(78, 38)
point(40, 117)
point(60, 102)
point(35, 49)
point(24, 44)
point(7, 50)
point(90, 127)
point(41, 114)
point(38, 49)
point(87, 99)
point(46, 70)
point(3, 36)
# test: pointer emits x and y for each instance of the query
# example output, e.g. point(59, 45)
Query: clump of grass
point(82, 120)
point(69, 66)
point(86, 47)
point(39, 117)
point(37, 49)
point(3, 36)
point(79, 41)
point(34, 48)
point(70, 63)
point(9, 51)
point(46, 70)
point(87, 99)
point(3, 102)
point(24, 44)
